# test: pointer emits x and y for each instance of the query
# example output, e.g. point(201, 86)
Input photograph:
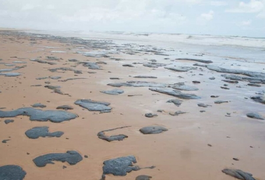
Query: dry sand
point(196, 146)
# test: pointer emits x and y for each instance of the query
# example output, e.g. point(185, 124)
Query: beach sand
point(197, 145)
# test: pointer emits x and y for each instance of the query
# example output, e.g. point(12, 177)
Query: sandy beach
point(202, 104)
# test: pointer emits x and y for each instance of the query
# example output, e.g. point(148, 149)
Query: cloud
point(28, 7)
point(254, 6)
point(204, 18)
point(246, 23)
point(93, 14)
point(124, 12)
point(173, 16)
point(207, 16)
point(218, 3)
point(261, 15)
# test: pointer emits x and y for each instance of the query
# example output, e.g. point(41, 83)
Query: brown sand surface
point(182, 152)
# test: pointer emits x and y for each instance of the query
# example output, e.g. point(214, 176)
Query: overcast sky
point(223, 17)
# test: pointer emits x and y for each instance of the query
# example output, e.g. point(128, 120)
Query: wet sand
point(197, 145)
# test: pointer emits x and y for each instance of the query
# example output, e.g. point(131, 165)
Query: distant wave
point(188, 39)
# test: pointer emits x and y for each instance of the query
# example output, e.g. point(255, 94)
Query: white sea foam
point(181, 38)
